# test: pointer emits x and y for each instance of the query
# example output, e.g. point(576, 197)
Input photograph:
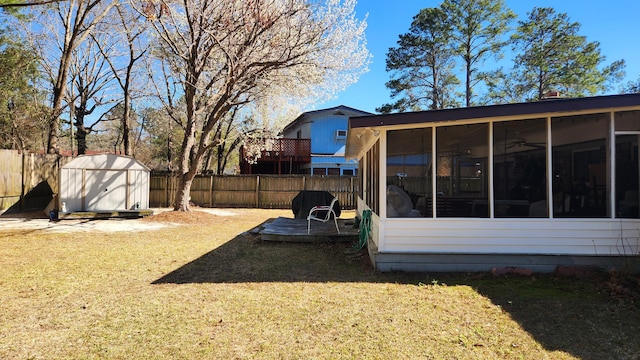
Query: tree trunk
point(181, 202)
point(125, 125)
point(468, 81)
point(81, 137)
point(127, 105)
point(189, 163)
point(219, 159)
point(59, 89)
point(169, 145)
point(75, 33)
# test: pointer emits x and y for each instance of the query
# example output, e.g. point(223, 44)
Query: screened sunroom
point(533, 184)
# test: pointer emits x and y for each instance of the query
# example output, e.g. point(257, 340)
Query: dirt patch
point(184, 217)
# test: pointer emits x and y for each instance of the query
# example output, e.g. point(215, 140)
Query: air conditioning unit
point(341, 134)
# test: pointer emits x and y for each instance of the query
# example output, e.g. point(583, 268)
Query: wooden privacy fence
point(28, 181)
point(252, 191)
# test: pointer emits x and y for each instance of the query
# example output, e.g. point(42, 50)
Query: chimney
point(550, 95)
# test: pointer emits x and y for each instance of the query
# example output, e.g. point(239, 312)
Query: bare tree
point(223, 54)
point(227, 137)
point(15, 4)
point(126, 34)
point(88, 89)
point(161, 144)
point(63, 27)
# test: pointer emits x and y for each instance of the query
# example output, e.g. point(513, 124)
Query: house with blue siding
point(327, 130)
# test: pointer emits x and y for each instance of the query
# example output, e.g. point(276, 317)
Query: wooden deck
point(295, 230)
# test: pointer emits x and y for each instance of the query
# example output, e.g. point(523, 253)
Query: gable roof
point(338, 110)
point(105, 161)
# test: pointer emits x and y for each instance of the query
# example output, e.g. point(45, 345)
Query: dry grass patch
point(208, 289)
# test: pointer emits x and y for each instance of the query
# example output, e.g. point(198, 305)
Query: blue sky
point(613, 23)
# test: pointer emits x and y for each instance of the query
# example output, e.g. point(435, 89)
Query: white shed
point(104, 182)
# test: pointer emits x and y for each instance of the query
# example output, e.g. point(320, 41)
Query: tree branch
point(30, 3)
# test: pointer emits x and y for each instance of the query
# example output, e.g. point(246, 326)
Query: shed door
point(106, 190)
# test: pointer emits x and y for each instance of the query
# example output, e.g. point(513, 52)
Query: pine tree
point(422, 64)
point(554, 57)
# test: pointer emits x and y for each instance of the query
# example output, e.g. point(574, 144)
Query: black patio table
point(306, 199)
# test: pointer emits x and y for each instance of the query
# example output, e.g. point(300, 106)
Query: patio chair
point(316, 214)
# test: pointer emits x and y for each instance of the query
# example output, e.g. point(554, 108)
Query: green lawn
point(210, 291)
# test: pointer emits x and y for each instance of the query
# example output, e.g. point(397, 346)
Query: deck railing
point(280, 149)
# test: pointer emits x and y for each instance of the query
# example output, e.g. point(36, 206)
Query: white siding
point(106, 190)
point(71, 189)
point(139, 189)
point(104, 183)
point(598, 237)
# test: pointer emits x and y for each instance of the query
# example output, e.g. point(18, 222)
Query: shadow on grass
point(570, 315)
point(566, 314)
point(247, 259)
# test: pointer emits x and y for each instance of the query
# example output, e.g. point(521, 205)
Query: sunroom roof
point(363, 133)
point(552, 106)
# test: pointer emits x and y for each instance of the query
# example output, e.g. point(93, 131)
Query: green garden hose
point(365, 229)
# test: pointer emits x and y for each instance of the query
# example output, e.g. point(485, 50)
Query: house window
point(580, 165)
point(519, 168)
point(334, 171)
point(409, 175)
point(347, 172)
point(319, 171)
point(341, 134)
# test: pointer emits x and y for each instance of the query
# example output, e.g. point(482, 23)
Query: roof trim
point(105, 162)
point(504, 110)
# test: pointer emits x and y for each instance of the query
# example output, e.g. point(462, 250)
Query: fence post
point(353, 193)
point(257, 191)
point(211, 192)
point(166, 191)
point(23, 181)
